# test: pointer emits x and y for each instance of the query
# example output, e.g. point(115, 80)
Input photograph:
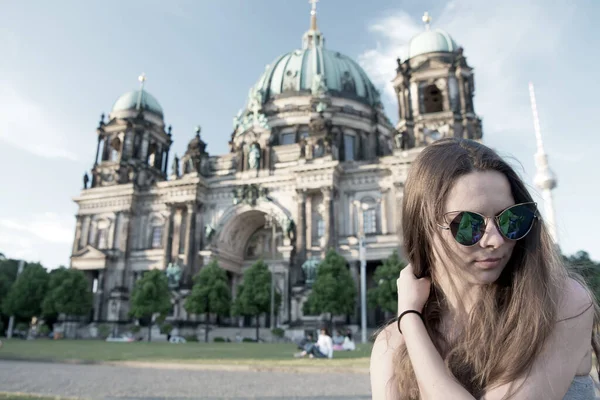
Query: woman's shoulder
point(387, 342)
point(574, 300)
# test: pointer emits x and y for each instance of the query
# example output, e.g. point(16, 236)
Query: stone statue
point(175, 167)
point(86, 179)
point(319, 86)
point(290, 229)
point(302, 145)
point(310, 271)
point(254, 156)
point(401, 140)
point(173, 273)
point(209, 232)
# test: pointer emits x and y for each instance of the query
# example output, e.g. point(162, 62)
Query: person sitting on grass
point(322, 349)
point(347, 344)
point(305, 341)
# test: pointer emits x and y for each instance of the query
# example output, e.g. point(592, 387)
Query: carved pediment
point(89, 258)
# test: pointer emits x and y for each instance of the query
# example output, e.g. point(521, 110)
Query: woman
point(486, 308)
point(322, 349)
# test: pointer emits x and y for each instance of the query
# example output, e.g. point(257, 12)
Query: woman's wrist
point(408, 321)
point(408, 314)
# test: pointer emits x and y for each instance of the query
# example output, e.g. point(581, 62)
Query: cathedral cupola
point(133, 146)
point(195, 159)
point(435, 88)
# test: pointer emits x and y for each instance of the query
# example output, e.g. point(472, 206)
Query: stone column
point(166, 161)
point(144, 151)
point(461, 89)
point(176, 232)
point(327, 217)
point(189, 237)
point(117, 231)
point(301, 225)
point(384, 212)
point(99, 297)
point(446, 94)
point(85, 232)
point(168, 236)
point(77, 240)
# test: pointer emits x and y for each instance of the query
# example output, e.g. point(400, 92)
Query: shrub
point(166, 328)
point(44, 330)
point(248, 340)
point(278, 332)
point(191, 338)
point(22, 326)
point(219, 340)
point(103, 331)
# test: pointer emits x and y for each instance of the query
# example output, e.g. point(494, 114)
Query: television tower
point(545, 179)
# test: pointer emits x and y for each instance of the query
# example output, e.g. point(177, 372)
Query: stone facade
point(308, 166)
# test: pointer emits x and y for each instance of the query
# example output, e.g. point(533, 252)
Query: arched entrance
point(246, 234)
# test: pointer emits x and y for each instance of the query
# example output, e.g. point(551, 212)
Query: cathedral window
point(156, 237)
point(349, 147)
point(370, 221)
point(151, 154)
point(288, 138)
point(102, 238)
point(432, 99)
point(115, 149)
point(320, 227)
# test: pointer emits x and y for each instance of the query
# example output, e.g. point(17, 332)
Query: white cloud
point(50, 227)
point(44, 237)
point(28, 126)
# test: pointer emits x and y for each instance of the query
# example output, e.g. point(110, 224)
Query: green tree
point(254, 294)
point(210, 294)
point(68, 293)
point(385, 294)
point(581, 263)
point(8, 275)
point(334, 290)
point(24, 299)
point(151, 295)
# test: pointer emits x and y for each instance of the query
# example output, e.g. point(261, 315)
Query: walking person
point(486, 307)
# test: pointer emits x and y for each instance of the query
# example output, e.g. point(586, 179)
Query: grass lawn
point(265, 354)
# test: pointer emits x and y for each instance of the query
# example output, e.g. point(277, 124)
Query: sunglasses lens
point(516, 222)
point(467, 228)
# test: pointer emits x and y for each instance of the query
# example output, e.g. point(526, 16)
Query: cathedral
point(313, 164)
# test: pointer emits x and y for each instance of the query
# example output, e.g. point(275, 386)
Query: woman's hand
point(412, 292)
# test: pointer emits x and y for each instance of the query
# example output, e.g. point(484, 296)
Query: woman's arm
point(434, 379)
point(552, 371)
point(383, 384)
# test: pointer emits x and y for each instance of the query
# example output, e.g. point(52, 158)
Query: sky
point(65, 62)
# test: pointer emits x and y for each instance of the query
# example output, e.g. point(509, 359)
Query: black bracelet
point(408, 312)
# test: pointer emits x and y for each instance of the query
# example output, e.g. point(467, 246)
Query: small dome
point(431, 41)
point(129, 101)
point(295, 72)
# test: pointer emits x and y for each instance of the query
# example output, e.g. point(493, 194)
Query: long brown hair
point(507, 328)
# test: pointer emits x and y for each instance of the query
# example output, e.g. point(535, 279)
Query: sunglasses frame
point(496, 223)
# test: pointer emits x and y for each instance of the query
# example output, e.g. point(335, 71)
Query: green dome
point(431, 42)
point(129, 101)
point(293, 73)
